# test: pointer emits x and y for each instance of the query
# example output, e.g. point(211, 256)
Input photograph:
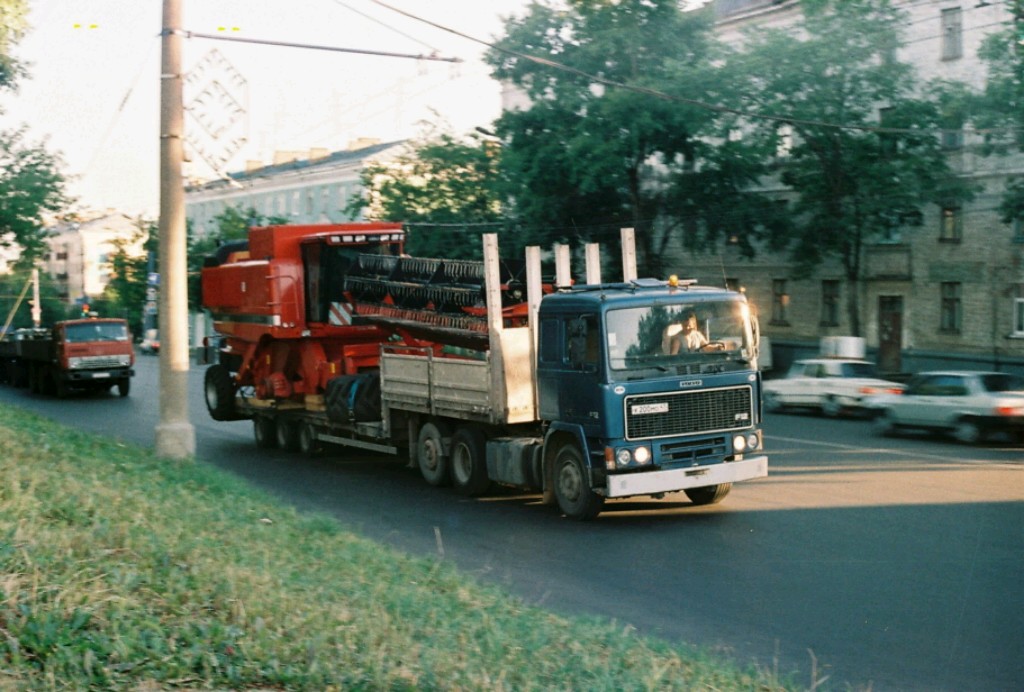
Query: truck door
point(570, 355)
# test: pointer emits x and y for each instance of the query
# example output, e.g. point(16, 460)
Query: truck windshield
point(95, 331)
point(679, 338)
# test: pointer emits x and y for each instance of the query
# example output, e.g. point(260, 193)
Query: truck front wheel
point(220, 393)
point(469, 461)
point(709, 494)
point(124, 386)
point(576, 498)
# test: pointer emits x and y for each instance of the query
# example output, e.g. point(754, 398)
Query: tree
point(999, 110)
point(858, 173)
point(125, 293)
point(13, 24)
point(444, 188)
point(31, 181)
point(615, 138)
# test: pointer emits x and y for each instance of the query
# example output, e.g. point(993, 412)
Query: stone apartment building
point(79, 251)
point(947, 293)
point(303, 187)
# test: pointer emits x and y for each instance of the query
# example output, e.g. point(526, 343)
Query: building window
point(780, 302)
point(1018, 317)
point(830, 303)
point(952, 34)
point(952, 228)
point(1018, 229)
point(953, 139)
point(951, 308)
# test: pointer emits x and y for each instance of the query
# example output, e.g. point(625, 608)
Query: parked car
point(968, 405)
point(150, 342)
point(831, 385)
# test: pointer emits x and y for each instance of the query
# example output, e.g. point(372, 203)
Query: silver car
point(968, 405)
point(831, 385)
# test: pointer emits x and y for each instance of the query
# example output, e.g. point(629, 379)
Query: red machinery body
point(300, 305)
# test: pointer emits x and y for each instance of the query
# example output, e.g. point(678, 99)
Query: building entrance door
point(890, 333)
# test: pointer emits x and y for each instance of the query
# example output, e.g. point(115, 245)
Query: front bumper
point(654, 482)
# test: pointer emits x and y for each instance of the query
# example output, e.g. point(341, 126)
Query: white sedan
point(969, 405)
point(831, 385)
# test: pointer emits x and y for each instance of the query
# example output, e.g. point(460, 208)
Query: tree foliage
point(866, 154)
point(445, 188)
point(31, 178)
point(13, 24)
point(589, 155)
point(999, 110)
point(125, 293)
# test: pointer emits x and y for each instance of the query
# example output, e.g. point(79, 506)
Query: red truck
point(92, 354)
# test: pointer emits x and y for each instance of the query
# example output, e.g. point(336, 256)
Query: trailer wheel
point(124, 386)
point(576, 498)
point(709, 494)
point(287, 434)
point(220, 393)
point(308, 443)
point(264, 432)
point(469, 461)
point(430, 454)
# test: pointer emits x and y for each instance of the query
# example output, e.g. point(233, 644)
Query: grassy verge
point(121, 571)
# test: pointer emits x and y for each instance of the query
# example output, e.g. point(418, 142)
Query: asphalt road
point(875, 562)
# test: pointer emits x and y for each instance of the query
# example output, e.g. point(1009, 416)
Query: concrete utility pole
point(175, 435)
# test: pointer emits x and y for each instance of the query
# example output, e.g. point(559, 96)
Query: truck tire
point(709, 494)
point(287, 433)
point(263, 430)
point(60, 386)
point(576, 498)
point(124, 386)
point(433, 463)
point(469, 461)
point(219, 390)
point(308, 444)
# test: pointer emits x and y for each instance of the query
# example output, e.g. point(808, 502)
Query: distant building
point(303, 187)
point(946, 293)
point(78, 259)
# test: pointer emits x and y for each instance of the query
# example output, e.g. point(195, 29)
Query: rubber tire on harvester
point(219, 391)
point(469, 461)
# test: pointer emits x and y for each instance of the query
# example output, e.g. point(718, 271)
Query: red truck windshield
point(95, 331)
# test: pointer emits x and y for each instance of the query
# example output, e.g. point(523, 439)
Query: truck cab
point(649, 412)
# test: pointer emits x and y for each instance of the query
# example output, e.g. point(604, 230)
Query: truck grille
point(92, 362)
point(686, 413)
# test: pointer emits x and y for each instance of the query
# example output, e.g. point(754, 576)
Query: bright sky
point(94, 90)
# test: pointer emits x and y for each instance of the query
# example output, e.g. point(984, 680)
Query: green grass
point(122, 571)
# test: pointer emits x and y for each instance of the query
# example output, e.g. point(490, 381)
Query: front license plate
point(644, 409)
point(100, 375)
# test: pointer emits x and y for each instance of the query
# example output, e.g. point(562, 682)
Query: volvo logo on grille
point(686, 384)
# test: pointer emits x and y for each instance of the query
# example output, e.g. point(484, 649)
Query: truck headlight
point(74, 362)
point(624, 457)
point(739, 443)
